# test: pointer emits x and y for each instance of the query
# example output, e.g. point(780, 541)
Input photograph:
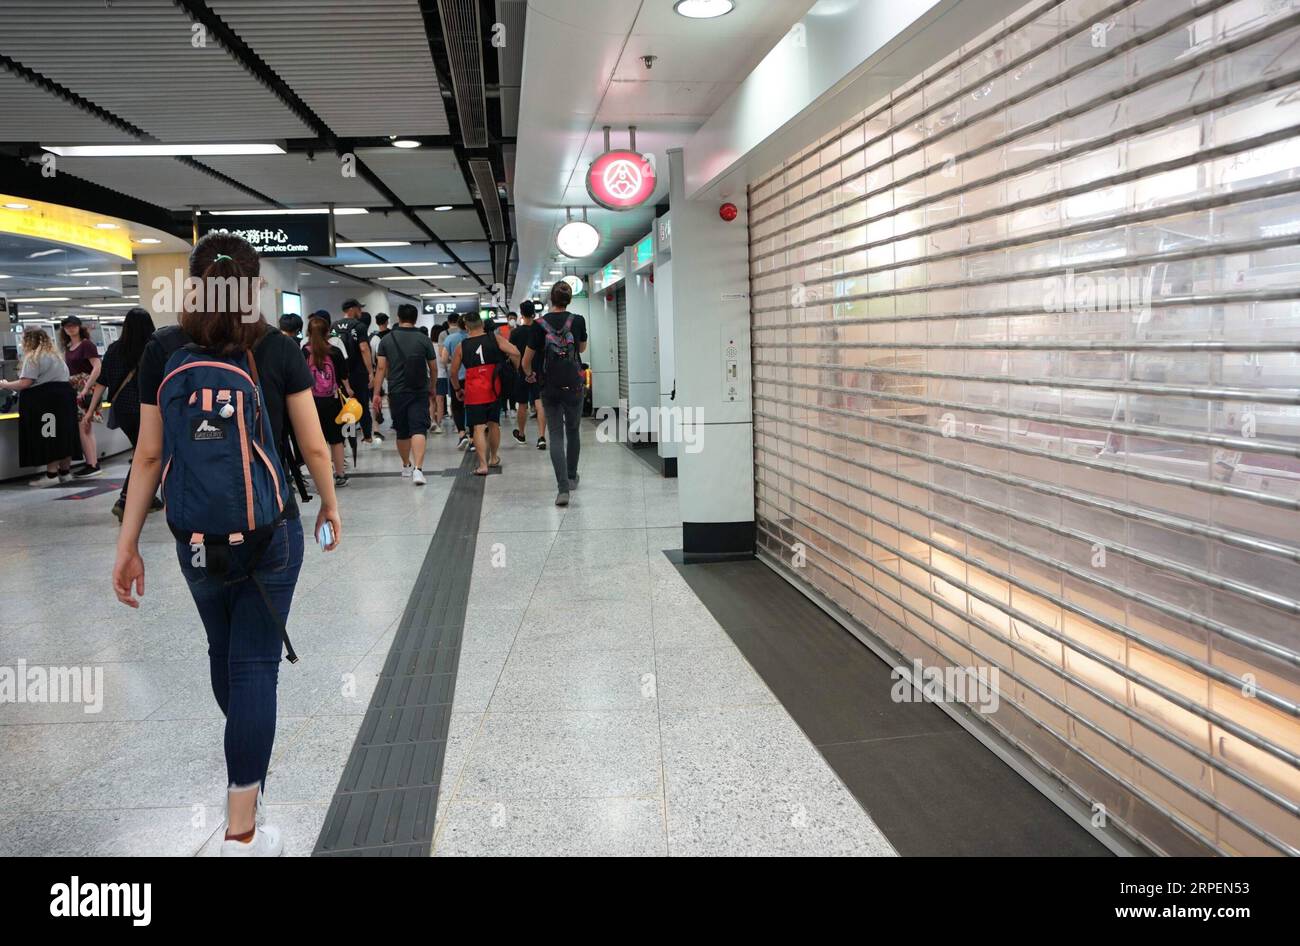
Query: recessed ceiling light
point(442, 207)
point(17, 206)
point(4, 277)
point(74, 289)
point(704, 9)
point(136, 151)
point(149, 240)
point(368, 243)
point(405, 143)
point(334, 282)
point(105, 226)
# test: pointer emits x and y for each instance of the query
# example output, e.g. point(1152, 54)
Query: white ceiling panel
point(419, 175)
point(162, 181)
point(454, 224)
point(143, 61)
point(378, 226)
point(292, 179)
point(364, 68)
point(32, 114)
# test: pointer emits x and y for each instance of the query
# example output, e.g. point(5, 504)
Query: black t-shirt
point(481, 350)
point(123, 393)
point(538, 341)
point(280, 369)
point(520, 336)
point(349, 333)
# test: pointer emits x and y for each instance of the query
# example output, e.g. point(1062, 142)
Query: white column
point(668, 445)
point(602, 347)
point(642, 360)
point(710, 292)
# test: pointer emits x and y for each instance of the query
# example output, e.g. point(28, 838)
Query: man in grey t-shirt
point(407, 360)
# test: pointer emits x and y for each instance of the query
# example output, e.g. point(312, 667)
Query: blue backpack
point(223, 483)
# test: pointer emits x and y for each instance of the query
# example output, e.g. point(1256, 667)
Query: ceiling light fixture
point(703, 9)
point(73, 289)
point(39, 299)
point(17, 206)
point(406, 143)
point(148, 240)
point(338, 212)
point(106, 272)
point(371, 243)
point(441, 208)
point(384, 265)
point(110, 305)
point(411, 278)
point(159, 151)
point(577, 239)
point(106, 226)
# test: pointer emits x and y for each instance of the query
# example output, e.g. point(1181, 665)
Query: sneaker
point(376, 442)
point(417, 477)
point(45, 481)
point(541, 443)
point(379, 439)
point(464, 442)
point(119, 508)
point(266, 843)
point(406, 472)
point(65, 477)
point(562, 499)
point(86, 472)
point(519, 438)
point(573, 482)
point(340, 481)
point(438, 429)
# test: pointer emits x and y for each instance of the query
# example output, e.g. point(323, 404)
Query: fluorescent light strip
point(159, 151)
point(73, 289)
point(371, 243)
point(385, 265)
point(293, 211)
point(107, 272)
point(403, 278)
point(111, 305)
point(38, 299)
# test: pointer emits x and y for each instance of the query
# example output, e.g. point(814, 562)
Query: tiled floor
point(146, 775)
point(600, 709)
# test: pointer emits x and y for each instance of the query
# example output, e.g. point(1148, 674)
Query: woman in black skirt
point(47, 411)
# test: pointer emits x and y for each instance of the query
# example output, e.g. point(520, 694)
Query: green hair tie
point(220, 257)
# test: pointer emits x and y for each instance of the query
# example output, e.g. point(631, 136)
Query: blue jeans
point(244, 643)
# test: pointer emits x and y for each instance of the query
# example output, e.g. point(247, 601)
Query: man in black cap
point(353, 332)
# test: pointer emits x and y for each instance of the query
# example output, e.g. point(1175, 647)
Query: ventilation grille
point(486, 183)
point(463, 36)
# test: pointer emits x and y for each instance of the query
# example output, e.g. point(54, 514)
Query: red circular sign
point(621, 180)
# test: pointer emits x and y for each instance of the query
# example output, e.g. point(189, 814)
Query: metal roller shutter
point(620, 316)
point(1026, 344)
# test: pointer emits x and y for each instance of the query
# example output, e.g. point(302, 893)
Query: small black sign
point(276, 235)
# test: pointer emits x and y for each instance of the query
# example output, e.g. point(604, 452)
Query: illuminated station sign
point(621, 180)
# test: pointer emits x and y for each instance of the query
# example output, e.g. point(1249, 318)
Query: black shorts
point(327, 408)
point(476, 414)
point(526, 393)
point(410, 410)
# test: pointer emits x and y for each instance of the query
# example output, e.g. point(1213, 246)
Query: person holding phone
point(244, 638)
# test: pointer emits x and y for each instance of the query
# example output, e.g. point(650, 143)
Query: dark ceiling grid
point(200, 12)
point(475, 64)
point(122, 205)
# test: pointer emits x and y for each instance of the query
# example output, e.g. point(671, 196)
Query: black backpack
point(561, 362)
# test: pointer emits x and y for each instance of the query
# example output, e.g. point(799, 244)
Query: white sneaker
point(406, 472)
point(417, 477)
point(266, 843)
point(45, 482)
point(439, 429)
point(377, 442)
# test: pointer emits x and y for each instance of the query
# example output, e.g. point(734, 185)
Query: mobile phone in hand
point(325, 537)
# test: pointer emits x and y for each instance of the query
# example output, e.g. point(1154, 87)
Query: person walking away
point(329, 373)
point(47, 411)
point(353, 331)
point(377, 336)
point(84, 366)
point(237, 389)
point(407, 361)
point(442, 389)
point(483, 355)
point(456, 335)
point(529, 393)
point(120, 381)
point(554, 359)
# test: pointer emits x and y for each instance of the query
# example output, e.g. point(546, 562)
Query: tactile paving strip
point(386, 799)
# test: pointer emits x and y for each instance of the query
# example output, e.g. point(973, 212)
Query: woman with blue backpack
point(218, 393)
